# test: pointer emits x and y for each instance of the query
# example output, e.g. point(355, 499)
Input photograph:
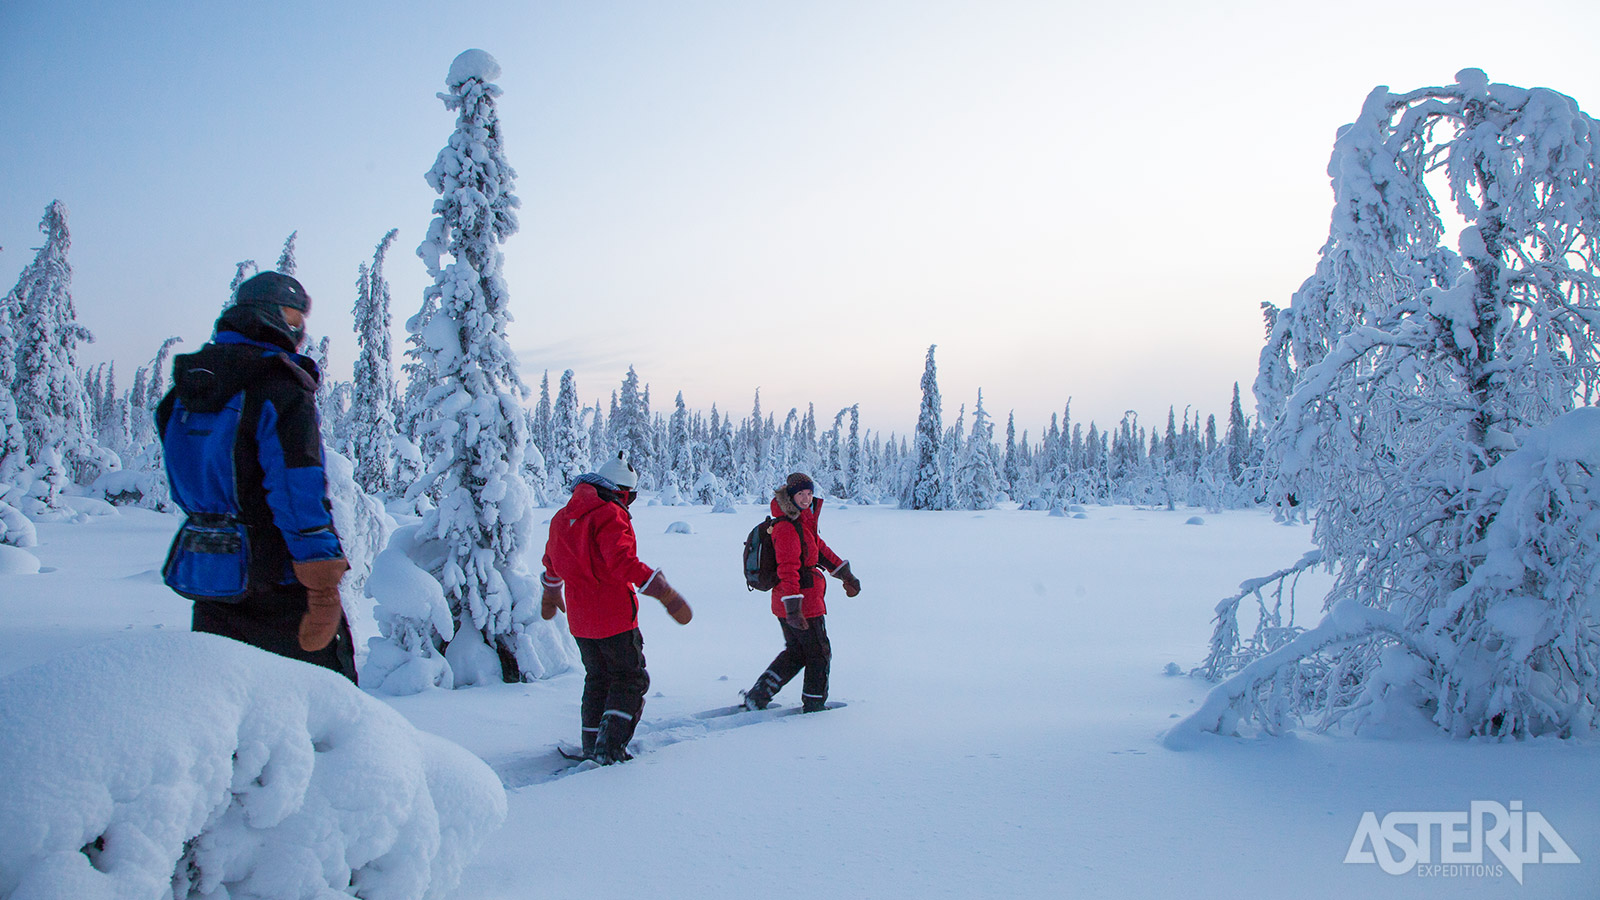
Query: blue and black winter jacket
point(244, 458)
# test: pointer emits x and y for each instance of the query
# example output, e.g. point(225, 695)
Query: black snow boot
point(589, 736)
point(610, 744)
point(760, 694)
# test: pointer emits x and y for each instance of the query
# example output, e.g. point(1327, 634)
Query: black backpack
point(760, 561)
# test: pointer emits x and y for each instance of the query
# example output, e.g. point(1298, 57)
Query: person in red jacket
point(592, 570)
point(797, 600)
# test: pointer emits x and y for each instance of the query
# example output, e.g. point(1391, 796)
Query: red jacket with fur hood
point(799, 557)
point(593, 550)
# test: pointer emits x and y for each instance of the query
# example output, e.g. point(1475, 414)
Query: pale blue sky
point(1070, 199)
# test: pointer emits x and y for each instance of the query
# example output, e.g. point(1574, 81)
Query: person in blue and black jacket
point(258, 553)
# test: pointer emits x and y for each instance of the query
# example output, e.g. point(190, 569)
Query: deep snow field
point(1004, 675)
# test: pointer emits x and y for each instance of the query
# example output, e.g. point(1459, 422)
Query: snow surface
point(1007, 698)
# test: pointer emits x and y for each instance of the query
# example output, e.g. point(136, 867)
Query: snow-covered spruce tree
point(15, 529)
point(54, 416)
point(569, 438)
point(243, 271)
point(535, 471)
point(374, 398)
point(113, 429)
point(598, 443)
point(852, 456)
point(286, 263)
point(629, 425)
point(926, 487)
point(143, 479)
point(1237, 439)
point(977, 481)
point(680, 453)
point(540, 434)
point(1434, 414)
point(832, 469)
point(471, 417)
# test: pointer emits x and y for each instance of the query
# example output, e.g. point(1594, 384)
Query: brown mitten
point(677, 608)
point(323, 612)
point(552, 600)
point(852, 584)
point(791, 612)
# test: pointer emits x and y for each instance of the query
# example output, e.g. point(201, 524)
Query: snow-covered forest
point(1424, 405)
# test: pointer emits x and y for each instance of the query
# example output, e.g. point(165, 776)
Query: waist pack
point(761, 561)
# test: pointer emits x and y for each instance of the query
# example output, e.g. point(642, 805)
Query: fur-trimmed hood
point(784, 505)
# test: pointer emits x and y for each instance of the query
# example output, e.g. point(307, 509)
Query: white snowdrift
point(190, 765)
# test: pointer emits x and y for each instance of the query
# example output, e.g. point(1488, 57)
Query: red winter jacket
point(797, 556)
point(592, 549)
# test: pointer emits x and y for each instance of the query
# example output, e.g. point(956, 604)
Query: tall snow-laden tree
point(1434, 411)
point(630, 424)
point(853, 474)
point(1011, 463)
point(542, 417)
point(286, 263)
point(472, 420)
point(977, 479)
point(926, 488)
point(54, 416)
point(679, 451)
point(375, 396)
point(569, 438)
point(1237, 439)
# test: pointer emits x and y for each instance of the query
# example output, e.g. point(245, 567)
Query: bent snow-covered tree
point(1435, 403)
point(471, 417)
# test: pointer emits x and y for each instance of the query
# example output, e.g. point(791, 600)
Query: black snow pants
point(270, 619)
point(614, 684)
point(808, 650)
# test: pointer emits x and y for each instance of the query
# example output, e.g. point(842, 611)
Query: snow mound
point(90, 506)
point(190, 765)
point(472, 64)
point(17, 561)
point(680, 528)
point(1195, 520)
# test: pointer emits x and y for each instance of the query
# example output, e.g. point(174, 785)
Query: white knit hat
point(620, 473)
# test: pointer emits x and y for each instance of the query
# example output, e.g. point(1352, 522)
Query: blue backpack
point(210, 556)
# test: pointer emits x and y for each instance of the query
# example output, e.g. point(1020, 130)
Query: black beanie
point(273, 289)
point(798, 482)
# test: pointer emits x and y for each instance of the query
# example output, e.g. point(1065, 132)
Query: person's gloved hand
point(323, 611)
point(791, 610)
point(677, 607)
point(852, 584)
point(552, 600)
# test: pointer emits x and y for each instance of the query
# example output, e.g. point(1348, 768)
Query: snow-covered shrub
point(364, 527)
point(193, 766)
point(16, 529)
point(413, 618)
